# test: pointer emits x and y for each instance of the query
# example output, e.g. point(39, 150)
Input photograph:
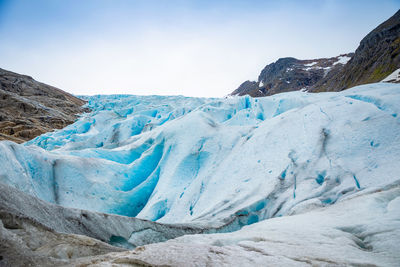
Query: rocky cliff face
point(377, 56)
point(291, 74)
point(29, 108)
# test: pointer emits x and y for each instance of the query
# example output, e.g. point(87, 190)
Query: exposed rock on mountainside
point(29, 108)
point(377, 56)
point(291, 74)
point(249, 88)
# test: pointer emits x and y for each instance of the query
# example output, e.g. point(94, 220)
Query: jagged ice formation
point(214, 162)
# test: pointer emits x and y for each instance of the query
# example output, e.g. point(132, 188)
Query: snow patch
point(310, 64)
point(394, 77)
point(342, 60)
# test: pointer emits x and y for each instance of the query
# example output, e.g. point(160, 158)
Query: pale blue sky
point(194, 48)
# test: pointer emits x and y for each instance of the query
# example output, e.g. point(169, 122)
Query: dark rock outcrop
point(29, 108)
point(248, 88)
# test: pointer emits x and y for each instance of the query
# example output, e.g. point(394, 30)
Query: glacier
point(223, 163)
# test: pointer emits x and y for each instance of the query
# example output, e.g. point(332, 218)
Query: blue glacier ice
point(234, 160)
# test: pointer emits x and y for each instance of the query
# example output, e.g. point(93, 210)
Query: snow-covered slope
point(216, 162)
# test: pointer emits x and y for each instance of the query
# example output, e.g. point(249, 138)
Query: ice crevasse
point(232, 161)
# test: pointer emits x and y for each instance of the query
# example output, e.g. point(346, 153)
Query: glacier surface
point(214, 162)
point(361, 230)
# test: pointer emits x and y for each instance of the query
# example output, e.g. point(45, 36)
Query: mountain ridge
point(377, 56)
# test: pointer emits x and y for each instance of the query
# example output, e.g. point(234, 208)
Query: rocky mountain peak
point(377, 56)
point(291, 74)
